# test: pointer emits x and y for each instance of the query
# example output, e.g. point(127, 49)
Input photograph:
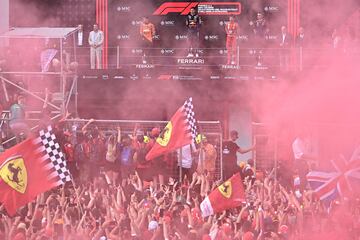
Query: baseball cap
point(283, 229)
point(155, 131)
point(21, 226)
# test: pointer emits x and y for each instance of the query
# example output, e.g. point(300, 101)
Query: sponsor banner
point(186, 69)
point(204, 8)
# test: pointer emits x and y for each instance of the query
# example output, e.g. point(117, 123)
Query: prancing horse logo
point(226, 189)
point(165, 135)
point(14, 173)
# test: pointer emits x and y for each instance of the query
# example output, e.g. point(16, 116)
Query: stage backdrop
point(169, 19)
point(120, 20)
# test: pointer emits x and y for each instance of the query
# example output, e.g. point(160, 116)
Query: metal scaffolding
point(64, 73)
point(64, 76)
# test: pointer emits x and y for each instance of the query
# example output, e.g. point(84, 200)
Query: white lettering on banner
point(123, 9)
point(271, 37)
point(123, 37)
point(183, 77)
point(147, 76)
point(229, 67)
point(134, 77)
point(243, 37)
point(136, 51)
point(190, 61)
point(167, 23)
point(90, 77)
point(135, 23)
point(271, 9)
point(181, 37)
point(168, 51)
point(211, 37)
point(142, 66)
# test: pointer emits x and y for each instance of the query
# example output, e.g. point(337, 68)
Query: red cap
point(67, 133)
point(248, 236)
point(283, 229)
point(155, 131)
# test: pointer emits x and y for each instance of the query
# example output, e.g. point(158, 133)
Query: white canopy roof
point(42, 32)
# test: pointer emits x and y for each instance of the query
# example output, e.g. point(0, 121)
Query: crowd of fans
point(117, 194)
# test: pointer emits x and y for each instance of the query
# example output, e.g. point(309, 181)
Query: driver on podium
point(193, 23)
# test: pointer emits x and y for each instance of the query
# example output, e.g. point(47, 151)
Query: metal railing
point(298, 58)
point(212, 129)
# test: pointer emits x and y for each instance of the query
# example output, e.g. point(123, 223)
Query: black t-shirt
point(193, 21)
point(229, 153)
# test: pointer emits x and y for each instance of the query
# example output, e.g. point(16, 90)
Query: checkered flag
point(190, 117)
point(179, 131)
point(52, 156)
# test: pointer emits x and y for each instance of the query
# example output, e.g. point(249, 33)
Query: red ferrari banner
point(228, 195)
point(30, 168)
point(179, 131)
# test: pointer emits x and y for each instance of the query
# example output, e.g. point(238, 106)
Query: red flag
point(179, 131)
point(228, 195)
point(34, 166)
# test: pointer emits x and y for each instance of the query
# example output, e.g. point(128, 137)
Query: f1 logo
point(204, 8)
point(175, 7)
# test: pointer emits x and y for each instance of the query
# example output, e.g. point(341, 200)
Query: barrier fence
point(211, 129)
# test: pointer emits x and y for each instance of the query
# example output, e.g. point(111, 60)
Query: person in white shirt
point(304, 156)
point(185, 160)
point(80, 36)
point(96, 39)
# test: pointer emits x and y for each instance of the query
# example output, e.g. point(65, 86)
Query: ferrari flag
point(180, 131)
point(228, 195)
point(34, 166)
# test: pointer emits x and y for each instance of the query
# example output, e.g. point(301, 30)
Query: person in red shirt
point(157, 164)
point(231, 29)
point(69, 154)
point(140, 150)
